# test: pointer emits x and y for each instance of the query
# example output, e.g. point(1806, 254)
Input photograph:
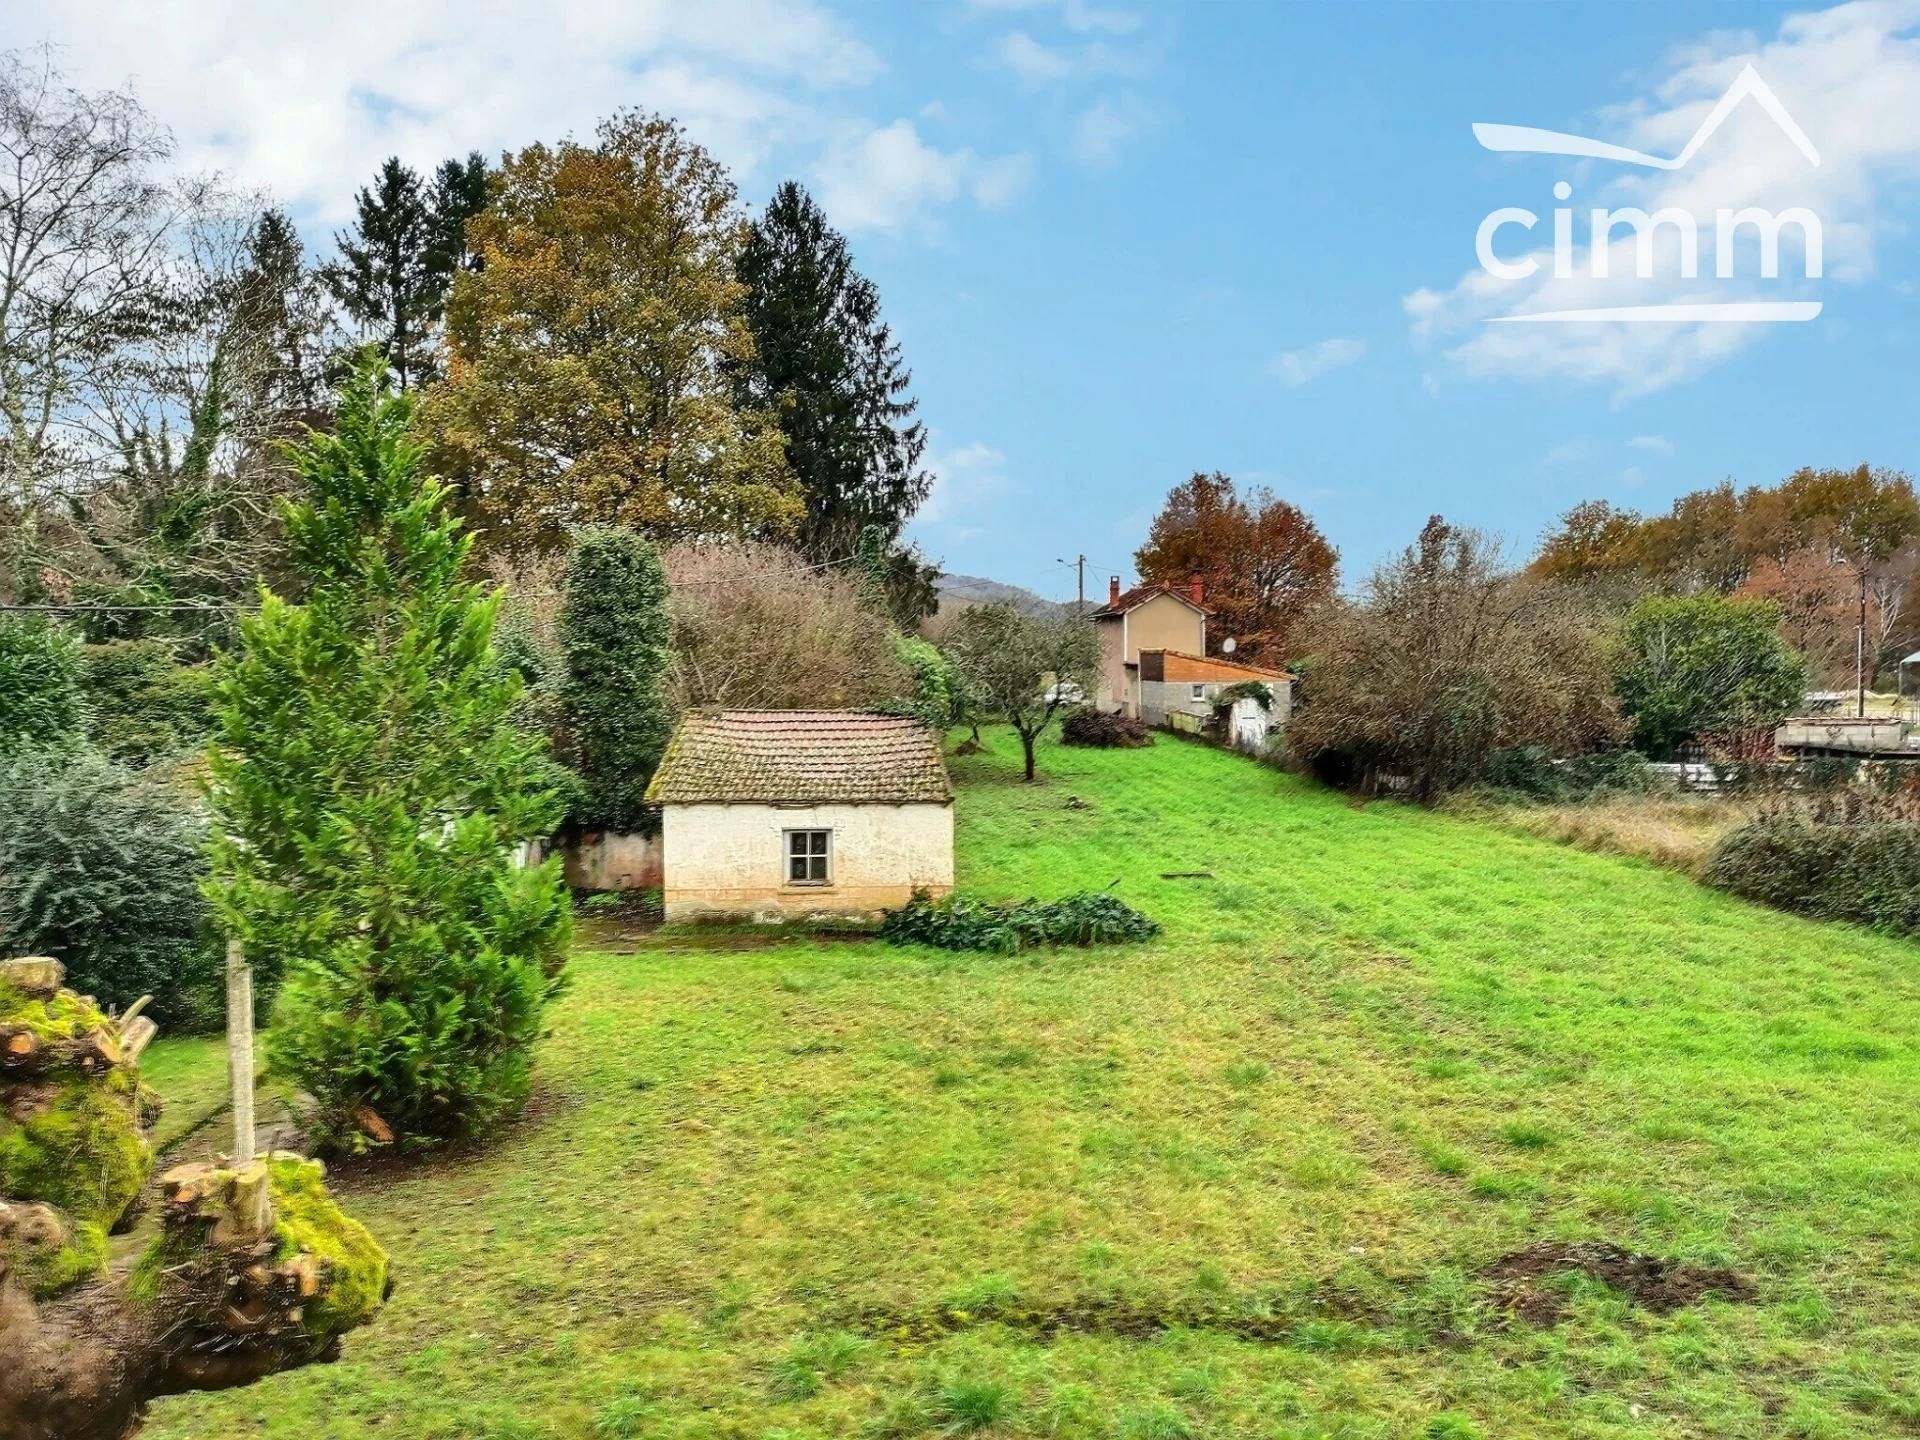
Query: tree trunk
point(221, 1295)
point(1026, 746)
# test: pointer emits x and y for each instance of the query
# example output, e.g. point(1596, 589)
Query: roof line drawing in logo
point(1529, 140)
point(1525, 140)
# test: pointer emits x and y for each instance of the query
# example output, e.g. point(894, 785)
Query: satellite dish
point(1227, 645)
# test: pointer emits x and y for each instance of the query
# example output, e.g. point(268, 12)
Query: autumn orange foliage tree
point(1263, 560)
point(1827, 544)
point(589, 350)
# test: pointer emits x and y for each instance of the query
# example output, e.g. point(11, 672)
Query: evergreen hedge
point(1868, 872)
point(102, 869)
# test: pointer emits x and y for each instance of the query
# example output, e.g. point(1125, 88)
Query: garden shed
point(786, 814)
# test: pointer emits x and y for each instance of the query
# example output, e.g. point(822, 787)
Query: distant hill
point(959, 591)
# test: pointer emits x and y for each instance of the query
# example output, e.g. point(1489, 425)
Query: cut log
point(36, 975)
point(20, 1050)
point(135, 1036)
point(372, 1126)
point(248, 1213)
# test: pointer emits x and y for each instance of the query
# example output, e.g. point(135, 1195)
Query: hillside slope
point(1339, 1154)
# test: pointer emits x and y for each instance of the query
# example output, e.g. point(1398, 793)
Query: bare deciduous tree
point(83, 223)
point(756, 627)
point(1447, 656)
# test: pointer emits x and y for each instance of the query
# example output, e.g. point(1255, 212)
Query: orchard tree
point(370, 786)
point(1021, 668)
point(826, 362)
point(1263, 561)
point(613, 633)
point(592, 349)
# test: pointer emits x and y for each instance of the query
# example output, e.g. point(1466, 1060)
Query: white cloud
point(307, 100)
point(1106, 128)
point(1296, 367)
point(1030, 60)
point(883, 179)
point(1077, 15)
point(962, 478)
point(1847, 75)
point(1652, 444)
point(1568, 452)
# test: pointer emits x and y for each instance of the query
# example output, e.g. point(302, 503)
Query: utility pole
point(1860, 652)
point(1079, 567)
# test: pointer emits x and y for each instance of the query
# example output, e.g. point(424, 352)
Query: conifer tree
point(385, 278)
point(370, 788)
point(825, 359)
point(613, 629)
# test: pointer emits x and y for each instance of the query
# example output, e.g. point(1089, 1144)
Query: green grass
point(1238, 1181)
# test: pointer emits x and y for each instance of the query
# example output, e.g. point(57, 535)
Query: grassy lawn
point(1241, 1181)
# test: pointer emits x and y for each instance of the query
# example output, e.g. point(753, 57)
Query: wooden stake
point(240, 1049)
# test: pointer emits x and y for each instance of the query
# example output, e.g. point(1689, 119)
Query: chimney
point(1199, 590)
point(1113, 589)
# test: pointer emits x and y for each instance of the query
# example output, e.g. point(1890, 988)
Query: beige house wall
point(1162, 623)
point(730, 860)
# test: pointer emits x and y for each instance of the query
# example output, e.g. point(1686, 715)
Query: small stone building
point(785, 814)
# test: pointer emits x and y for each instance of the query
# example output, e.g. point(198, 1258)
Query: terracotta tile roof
point(1181, 666)
point(801, 757)
point(1139, 595)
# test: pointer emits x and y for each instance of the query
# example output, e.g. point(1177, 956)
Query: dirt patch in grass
point(1321, 1324)
point(1521, 1279)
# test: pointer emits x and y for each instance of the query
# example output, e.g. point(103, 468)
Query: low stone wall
point(602, 860)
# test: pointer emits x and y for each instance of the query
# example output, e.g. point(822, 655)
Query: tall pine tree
point(397, 262)
point(827, 361)
point(459, 194)
point(370, 787)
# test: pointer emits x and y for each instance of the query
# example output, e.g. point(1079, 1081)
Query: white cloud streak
point(1294, 368)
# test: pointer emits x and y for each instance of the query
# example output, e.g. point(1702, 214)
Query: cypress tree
point(613, 629)
point(370, 787)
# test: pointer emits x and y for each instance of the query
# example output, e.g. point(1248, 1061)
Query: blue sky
point(1122, 242)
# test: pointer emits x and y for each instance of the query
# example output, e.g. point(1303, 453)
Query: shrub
point(759, 627)
point(371, 783)
point(937, 700)
point(1087, 917)
point(101, 870)
point(1447, 656)
point(613, 630)
point(1704, 664)
point(40, 699)
point(1101, 731)
point(1868, 873)
point(142, 704)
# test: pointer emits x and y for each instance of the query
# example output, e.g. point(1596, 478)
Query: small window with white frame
point(809, 855)
point(1199, 692)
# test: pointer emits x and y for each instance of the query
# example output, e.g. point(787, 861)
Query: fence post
point(240, 1049)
